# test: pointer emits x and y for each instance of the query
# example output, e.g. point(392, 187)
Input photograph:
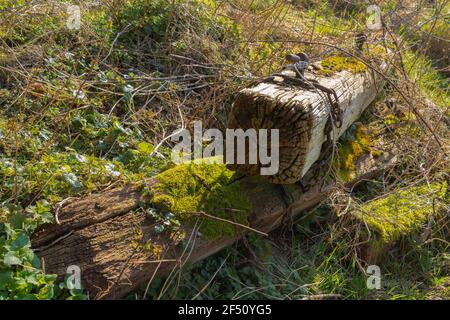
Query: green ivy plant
point(21, 276)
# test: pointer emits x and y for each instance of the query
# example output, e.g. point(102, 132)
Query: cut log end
point(269, 106)
point(300, 116)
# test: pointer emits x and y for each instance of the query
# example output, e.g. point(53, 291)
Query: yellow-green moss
point(402, 212)
point(403, 117)
point(350, 150)
point(377, 51)
point(333, 64)
point(193, 187)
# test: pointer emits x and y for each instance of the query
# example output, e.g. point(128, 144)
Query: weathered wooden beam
point(301, 116)
point(104, 233)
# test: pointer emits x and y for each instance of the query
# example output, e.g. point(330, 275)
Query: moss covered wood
point(399, 214)
point(190, 188)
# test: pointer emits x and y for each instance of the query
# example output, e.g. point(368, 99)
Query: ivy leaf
point(21, 241)
point(16, 220)
point(32, 278)
point(27, 254)
point(145, 148)
point(36, 262)
point(72, 180)
point(46, 293)
point(6, 279)
point(11, 259)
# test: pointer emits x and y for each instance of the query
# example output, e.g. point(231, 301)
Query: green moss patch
point(391, 119)
point(334, 64)
point(402, 212)
point(356, 142)
point(377, 51)
point(203, 187)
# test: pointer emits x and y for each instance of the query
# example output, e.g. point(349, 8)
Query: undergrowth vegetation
point(82, 110)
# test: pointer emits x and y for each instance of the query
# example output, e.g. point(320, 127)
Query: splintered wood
point(300, 116)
